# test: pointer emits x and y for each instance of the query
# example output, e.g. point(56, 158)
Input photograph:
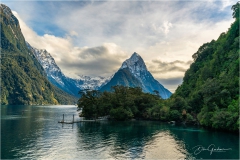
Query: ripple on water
point(13, 117)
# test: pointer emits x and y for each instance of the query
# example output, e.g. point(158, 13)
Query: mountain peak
point(134, 63)
point(135, 57)
point(8, 13)
point(134, 73)
point(135, 54)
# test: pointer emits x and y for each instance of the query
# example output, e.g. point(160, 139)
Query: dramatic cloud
point(169, 73)
point(165, 67)
point(102, 60)
point(94, 38)
point(170, 83)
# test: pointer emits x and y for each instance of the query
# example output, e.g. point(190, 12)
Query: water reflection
point(167, 145)
point(193, 137)
point(144, 139)
point(33, 134)
point(37, 135)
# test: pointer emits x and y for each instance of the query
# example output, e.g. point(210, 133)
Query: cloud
point(171, 83)
point(164, 67)
point(73, 33)
point(227, 3)
point(166, 26)
point(102, 60)
point(144, 26)
point(168, 70)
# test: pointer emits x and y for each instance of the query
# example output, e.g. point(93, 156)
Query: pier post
point(63, 117)
point(73, 117)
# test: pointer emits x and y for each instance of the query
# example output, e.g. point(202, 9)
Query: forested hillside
point(210, 88)
point(22, 78)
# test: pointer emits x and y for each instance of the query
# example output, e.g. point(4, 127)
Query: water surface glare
point(32, 132)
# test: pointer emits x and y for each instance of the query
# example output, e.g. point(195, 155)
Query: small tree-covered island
point(209, 94)
point(123, 103)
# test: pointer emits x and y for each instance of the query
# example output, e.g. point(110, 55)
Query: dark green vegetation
point(22, 78)
point(122, 103)
point(210, 88)
point(209, 94)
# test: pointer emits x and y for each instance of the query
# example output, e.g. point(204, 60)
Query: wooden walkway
point(78, 121)
point(71, 122)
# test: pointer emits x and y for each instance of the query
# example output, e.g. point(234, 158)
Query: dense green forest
point(122, 103)
point(209, 94)
point(210, 88)
point(23, 80)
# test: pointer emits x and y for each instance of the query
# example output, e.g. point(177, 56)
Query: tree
point(156, 93)
point(235, 9)
point(89, 101)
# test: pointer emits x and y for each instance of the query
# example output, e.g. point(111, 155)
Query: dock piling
point(77, 121)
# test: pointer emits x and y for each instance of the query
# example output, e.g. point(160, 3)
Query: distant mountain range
point(28, 73)
point(133, 73)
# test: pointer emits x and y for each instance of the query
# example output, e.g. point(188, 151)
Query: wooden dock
point(71, 122)
point(78, 121)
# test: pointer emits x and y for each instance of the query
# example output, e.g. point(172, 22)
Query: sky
point(94, 37)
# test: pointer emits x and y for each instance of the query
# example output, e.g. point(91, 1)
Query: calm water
point(35, 134)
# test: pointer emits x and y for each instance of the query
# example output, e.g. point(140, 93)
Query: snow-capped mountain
point(137, 67)
point(134, 73)
point(93, 82)
point(48, 63)
point(56, 76)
